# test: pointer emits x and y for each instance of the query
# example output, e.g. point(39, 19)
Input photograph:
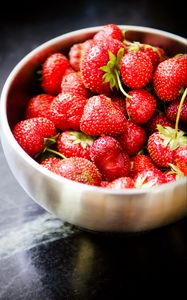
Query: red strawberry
point(107, 154)
point(50, 163)
point(181, 159)
point(30, 134)
point(161, 146)
point(172, 109)
point(79, 169)
point(133, 138)
point(66, 110)
point(53, 69)
point(102, 116)
point(39, 106)
point(77, 51)
point(140, 163)
point(109, 31)
point(136, 69)
point(149, 178)
point(99, 65)
point(156, 119)
point(74, 143)
point(121, 183)
point(140, 106)
point(72, 83)
point(170, 76)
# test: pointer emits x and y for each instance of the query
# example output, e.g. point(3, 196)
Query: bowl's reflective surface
point(88, 207)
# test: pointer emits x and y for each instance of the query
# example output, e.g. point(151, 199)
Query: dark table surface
point(42, 258)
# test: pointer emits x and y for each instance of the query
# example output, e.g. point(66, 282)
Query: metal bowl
point(91, 208)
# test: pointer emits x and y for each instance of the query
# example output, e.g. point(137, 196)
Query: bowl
point(88, 207)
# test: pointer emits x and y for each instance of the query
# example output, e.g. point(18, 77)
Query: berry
point(102, 116)
point(109, 31)
point(72, 83)
point(136, 69)
point(31, 134)
point(39, 106)
point(172, 109)
point(140, 106)
point(66, 110)
point(74, 143)
point(133, 138)
point(53, 69)
point(181, 159)
point(170, 77)
point(149, 178)
point(108, 156)
point(121, 183)
point(78, 169)
point(50, 163)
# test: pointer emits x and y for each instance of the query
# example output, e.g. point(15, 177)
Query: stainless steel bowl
point(92, 208)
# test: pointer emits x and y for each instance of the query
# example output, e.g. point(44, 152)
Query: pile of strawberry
point(111, 113)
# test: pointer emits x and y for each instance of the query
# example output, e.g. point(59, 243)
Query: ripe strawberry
point(156, 119)
point(74, 143)
point(156, 54)
point(39, 106)
point(108, 156)
point(149, 178)
point(133, 138)
point(78, 169)
point(102, 116)
point(172, 109)
point(77, 51)
point(163, 144)
point(66, 110)
point(121, 183)
point(181, 159)
point(53, 69)
point(109, 31)
point(136, 69)
point(140, 106)
point(98, 66)
point(50, 163)
point(170, 77)
point(31, 134)
point(140, 163)
point(72, 83)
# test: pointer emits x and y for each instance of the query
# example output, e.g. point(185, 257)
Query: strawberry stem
point(120, 85)
point(56, 152)
point(179, 112)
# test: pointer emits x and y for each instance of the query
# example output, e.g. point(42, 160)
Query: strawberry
point(172, 109)
point(163, 143)
point(39, 106)
point(149, 178)
point(78, 169)
point(133, 138)
point(98, 68)
point(109, 31)
point(108, 156)
point(102, 116)
point(156, 119)
point(140, 106)
point(50, 163)
point(140, 163)
point(120, 102)
point(170, 77)
point(31, 134)
point(181, 158)
point(53, 69)
point(72, 83)
point(66, 110)
point(121, 183)
point(136, 69)
point(77, 51)
point(74, 143)
point(156, 54)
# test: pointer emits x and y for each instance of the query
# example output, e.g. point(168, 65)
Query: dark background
point(82, 266)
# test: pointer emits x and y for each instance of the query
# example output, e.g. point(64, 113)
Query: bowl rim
point(17, 148)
